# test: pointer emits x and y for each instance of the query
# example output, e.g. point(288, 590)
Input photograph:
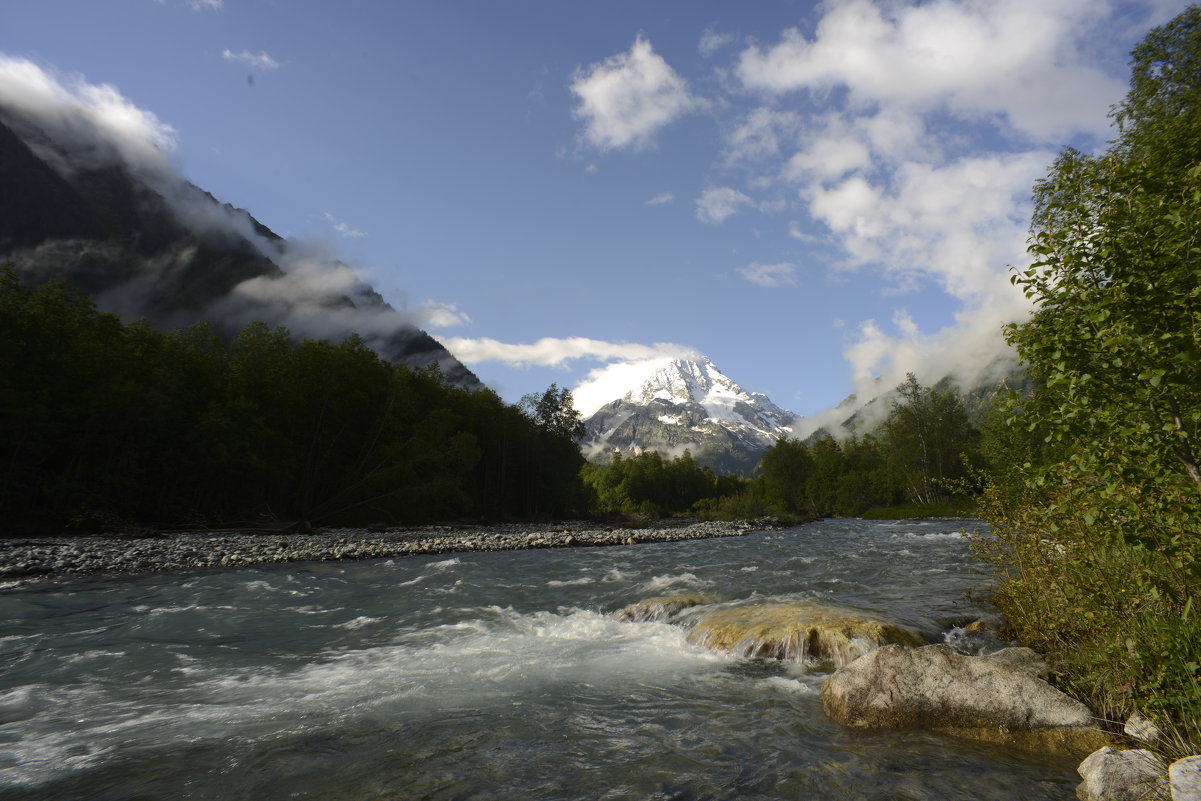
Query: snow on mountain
point(686, 404)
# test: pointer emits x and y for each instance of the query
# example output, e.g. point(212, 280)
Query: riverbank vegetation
point(649, 485)
point(1096, 512)
point(914, 464)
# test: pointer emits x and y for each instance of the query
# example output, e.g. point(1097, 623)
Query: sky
point(819, 197)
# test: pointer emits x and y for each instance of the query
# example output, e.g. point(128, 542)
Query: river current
point(497, 675)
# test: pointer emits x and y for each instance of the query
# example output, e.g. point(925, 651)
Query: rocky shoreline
point(27, 558)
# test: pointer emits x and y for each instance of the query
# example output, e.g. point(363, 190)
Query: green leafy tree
point(828, 469)
point(1100, 543)
point(927, 434)
point(554, 411)
point(784, 475)
point(868, 481)
point(649, 484)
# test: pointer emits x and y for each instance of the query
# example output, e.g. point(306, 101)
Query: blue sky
point(811, 195)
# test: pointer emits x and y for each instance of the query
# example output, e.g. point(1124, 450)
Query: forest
point(106, 426)
point(109, 425)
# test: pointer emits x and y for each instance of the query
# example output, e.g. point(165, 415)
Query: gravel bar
point(53, 557)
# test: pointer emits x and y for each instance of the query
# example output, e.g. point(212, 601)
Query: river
point(497, 675)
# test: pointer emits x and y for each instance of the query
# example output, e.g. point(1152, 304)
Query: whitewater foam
point(791, 686)
point(660, 583)
point(570, 582)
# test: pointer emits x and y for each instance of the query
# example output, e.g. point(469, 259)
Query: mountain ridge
point(145, 242)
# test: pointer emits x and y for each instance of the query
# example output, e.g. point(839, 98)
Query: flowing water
point(479, 676)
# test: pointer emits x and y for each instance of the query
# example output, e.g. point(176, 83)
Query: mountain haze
point(83, 206)
point(688, 404)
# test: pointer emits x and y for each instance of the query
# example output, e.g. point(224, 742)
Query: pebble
point(28, 559)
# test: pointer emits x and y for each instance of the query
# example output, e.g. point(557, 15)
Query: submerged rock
point(796, 631)
point(661, 609)
point(996, 698)
point(1113, 775)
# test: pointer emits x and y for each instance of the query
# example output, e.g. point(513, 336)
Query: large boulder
point(796, 631)
point(1113, 775)
point(1185, 778)
point(996, 698)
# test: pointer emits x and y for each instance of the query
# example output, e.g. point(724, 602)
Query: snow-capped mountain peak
point(683, 380)
point(687, 403)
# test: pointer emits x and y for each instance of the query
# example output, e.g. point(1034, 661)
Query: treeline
point(106, 423)
point(1096, 514)
point(920, 456)
point(652, 486)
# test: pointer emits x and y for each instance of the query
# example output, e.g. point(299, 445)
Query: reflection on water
point(485, 676)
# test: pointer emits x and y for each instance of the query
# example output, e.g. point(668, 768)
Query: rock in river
point(996, 698)
point(796, 631)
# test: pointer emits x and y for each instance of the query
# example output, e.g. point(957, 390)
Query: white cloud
point(715, 205)
point(661, 199)
point(626, 99)
point(828, 157)
point(1021, 60)
point(912, 131)
point(926, 125)
point(343, 227)
point(259, 60)
point(439, 314)
point(309, 297)
point(98, 125)
point(628, 363)
point(612, 381)
point(960, 223)
point(797, 232)
point(970, 350)
point(759, 133)
point(552, 352)
point(712, 41)
point(770, 275)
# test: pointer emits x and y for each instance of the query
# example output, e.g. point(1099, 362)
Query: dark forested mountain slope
point(146, 243)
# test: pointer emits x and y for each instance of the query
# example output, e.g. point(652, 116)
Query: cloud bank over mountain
point(81, 130)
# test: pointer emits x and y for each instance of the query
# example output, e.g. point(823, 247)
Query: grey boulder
point(996, 698)
point(1185, 777)
point(1113, 775)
